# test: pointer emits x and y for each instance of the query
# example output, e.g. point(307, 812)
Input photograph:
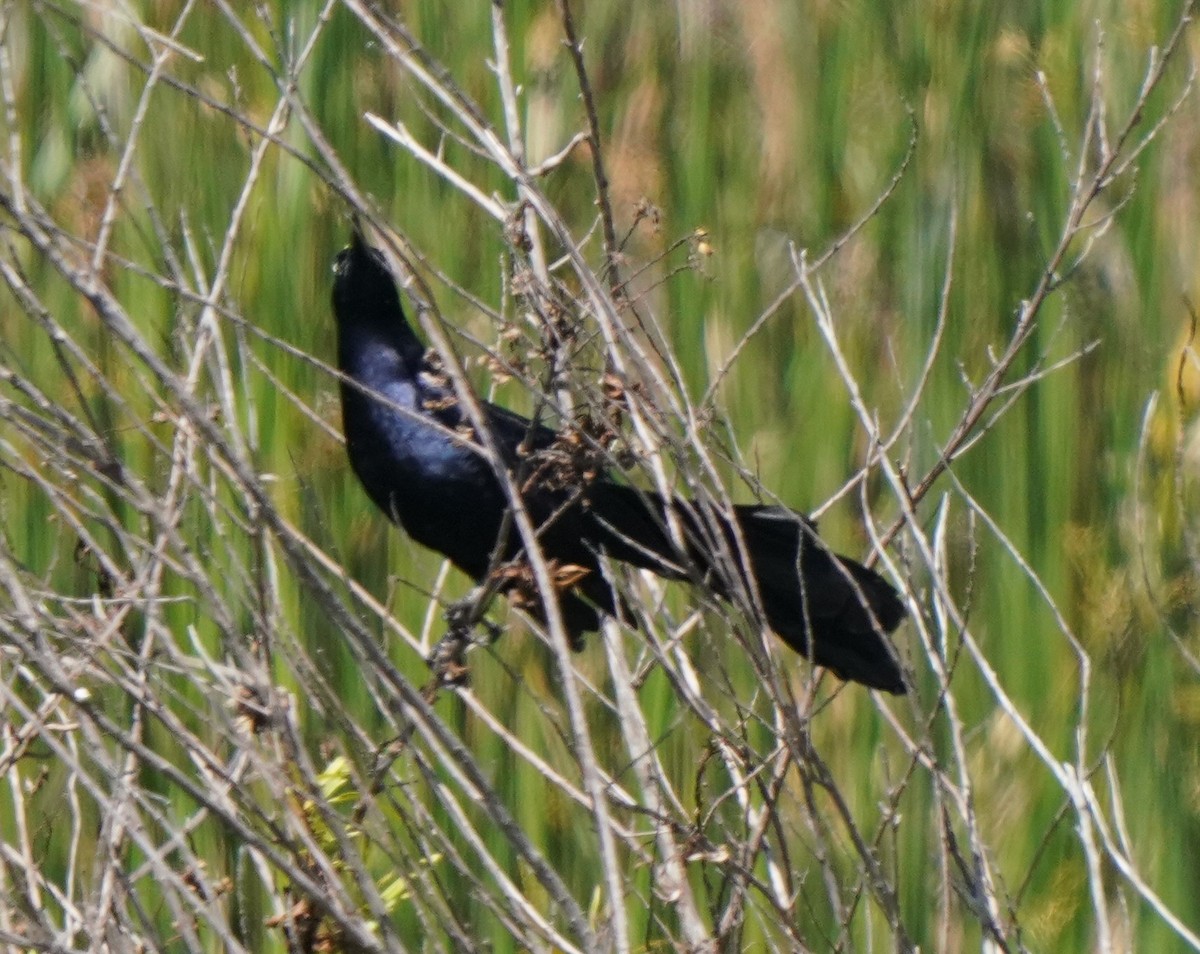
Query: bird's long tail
point(824, 606)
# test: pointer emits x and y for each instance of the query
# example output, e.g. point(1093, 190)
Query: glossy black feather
point(409, 442)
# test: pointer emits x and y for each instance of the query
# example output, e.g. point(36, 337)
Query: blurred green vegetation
point(761, 123)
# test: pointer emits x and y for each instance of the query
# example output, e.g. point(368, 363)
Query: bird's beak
point(358, 238)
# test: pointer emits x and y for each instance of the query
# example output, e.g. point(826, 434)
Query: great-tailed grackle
point(410, 443)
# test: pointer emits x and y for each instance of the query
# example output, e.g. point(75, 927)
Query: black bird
point(410, 443)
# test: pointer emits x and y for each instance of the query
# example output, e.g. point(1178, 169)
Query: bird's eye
point(342, 262)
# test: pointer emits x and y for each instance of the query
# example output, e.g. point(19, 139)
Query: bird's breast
point(431, 483)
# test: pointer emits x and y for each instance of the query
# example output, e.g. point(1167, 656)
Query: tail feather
point(824, 606)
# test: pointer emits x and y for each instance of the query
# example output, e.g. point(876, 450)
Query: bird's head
point(363, 287)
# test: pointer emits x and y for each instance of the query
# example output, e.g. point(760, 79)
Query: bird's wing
point(511, 430)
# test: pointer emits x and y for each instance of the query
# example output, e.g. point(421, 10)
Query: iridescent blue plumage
point(416, 453)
